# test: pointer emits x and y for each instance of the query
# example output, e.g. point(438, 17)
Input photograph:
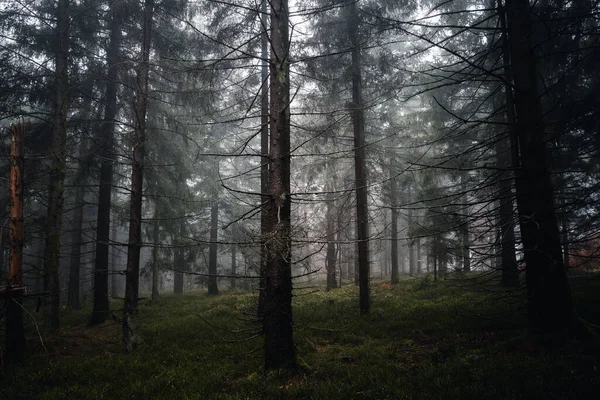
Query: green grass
point(420, 341)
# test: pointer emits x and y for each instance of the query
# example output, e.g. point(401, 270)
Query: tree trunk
point(419, 255)
point(466, 243)
point(233, 266)
point(130, 336)
point(156, 238)
point(179, 261)
point(56, 186)
point(331, 255)
point(394, 229)
point(15, 333)
point(264, 151)
point(114, 287)
point(73, 296)
point(549, 300)
point(277, 318)
point(100, 309)
point(213, 288)
point(360, 170)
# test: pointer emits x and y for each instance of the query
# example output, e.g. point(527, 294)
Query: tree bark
point(264, 151)
point(73, 294)
point(130, 336)
point(56, 186)
point(394, 222)
point(360, 170)
point(15, 333)
point(155, 237)
point(100, 309)
point(549, 300)
point(277, 318)
point(331, 252)
point(464, 231)
point(233, 266)
point(213, 288)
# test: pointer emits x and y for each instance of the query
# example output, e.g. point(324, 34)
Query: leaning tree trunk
point(56, 186)
point(549, 301)
point(360, 166)
point(15, 333)
point(100, 309)
point(277, 317)
point(130, 336)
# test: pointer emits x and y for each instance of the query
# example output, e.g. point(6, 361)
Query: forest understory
point(462, 338)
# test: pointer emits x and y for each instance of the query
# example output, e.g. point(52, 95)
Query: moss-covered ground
point(463, 338)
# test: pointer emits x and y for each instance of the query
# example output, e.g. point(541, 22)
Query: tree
point(58, 167)
point(130, 335)
point(277, 318)
point(15, 333)
point(360, 168)
point(100, 306)
point(549, 300)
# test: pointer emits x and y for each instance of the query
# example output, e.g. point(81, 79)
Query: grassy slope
point(420, 342)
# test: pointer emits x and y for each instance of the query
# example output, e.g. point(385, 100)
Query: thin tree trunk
point(73, 294)
point(130, 336)
point(466, 243)
point(213, 288)
point(264, 151)
point(233, 266)
point(15, 333)
point(277, 318)
point(419, 255)
point(100, 309)
point(360, 170)
point(331, 254)
point(179, 261)
point(394, 229)
point(56, 185)
point(114, 287)
point(549, 300)
point(155, 237)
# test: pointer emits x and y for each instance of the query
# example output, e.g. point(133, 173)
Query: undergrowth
point(421, 340)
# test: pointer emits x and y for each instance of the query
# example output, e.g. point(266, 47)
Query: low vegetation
point(421, 341)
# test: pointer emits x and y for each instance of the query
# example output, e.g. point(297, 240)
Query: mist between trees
point(211, 146)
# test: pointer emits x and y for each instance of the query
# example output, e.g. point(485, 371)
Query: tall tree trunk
point(179, 260)
point(360, 169)
point(464, 231)
point(264, 151)
point(100, 309)
point(114, 286)
point(130, 336)
point(507, 154)
point(73, 293)
point(277, 318)
point(331, 253)
point(233, 266)
point(15, 333)
point(56, 186)
point(213, 287)
point(394, 230)
point(419, 255)
point(549, 299)
point(156, 238)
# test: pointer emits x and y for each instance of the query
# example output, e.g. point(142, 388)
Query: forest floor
point(463, 338)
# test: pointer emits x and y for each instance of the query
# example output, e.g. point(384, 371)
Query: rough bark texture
point(56, 186)
point(213, 287)
point(277, 317)
point(360, 169)
point(264, 151)
point(15, 333)
point(130, 336)
point(549, 300)
point(100, 310)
